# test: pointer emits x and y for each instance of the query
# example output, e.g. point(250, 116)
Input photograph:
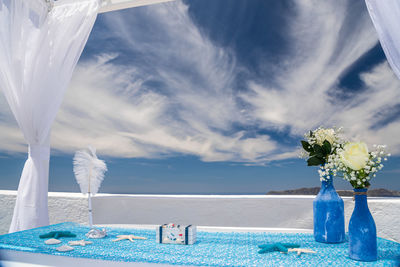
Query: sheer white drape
point(385, 15)
point(38, 52)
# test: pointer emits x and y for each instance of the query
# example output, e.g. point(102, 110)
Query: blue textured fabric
point(211, 249)
point(362, 230)
point(328, 215)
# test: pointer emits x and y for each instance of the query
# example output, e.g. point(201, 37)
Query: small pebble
point(65, 248)
point(52, 241)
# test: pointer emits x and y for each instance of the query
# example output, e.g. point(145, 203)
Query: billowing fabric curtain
point(385, 15)
point(39, 49)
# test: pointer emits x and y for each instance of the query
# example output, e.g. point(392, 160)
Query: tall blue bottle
point(362, 230)
point(328, 215)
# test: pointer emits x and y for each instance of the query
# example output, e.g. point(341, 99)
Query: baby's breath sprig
point(359, 177)
point(319, 145)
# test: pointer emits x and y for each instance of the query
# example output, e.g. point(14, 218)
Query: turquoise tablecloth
point(211, 249)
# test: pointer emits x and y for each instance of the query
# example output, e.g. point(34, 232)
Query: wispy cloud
point(302, 95)
point(164, 88)
point(178, 98)
point(326, 43)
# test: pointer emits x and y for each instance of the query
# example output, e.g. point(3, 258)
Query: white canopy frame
point(112, 5)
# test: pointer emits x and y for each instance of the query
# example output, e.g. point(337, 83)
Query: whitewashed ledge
point(283, 213)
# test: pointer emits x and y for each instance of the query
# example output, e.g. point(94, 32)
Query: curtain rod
point(112, 5)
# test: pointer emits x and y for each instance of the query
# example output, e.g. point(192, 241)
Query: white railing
point(258, 212)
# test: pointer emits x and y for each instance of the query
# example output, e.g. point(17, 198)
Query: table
point(212, 249)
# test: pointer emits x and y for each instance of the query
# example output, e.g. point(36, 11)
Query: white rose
point(355, 155)
point(325, 134)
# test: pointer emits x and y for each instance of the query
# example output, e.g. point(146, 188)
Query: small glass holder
point(96, 233)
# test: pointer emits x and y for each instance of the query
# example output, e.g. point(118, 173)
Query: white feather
point(89, 170)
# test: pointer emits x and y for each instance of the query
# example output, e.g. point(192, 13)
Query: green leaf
point(307, 147)
point(315, 161)
point(327, 147)
point(319, 151)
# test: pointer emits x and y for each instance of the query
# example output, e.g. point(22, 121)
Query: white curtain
point(39, 48)
point(385, 15)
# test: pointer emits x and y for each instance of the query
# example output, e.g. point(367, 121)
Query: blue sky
point(204, 96)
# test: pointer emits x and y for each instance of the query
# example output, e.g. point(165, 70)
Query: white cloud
point(300, 97)
point(189, 114)
point(363, 114)
point(176, 93)
point(303, 95)
point(138, 123)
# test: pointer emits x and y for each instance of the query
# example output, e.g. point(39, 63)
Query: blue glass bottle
point(328, 215)
point(362, 230)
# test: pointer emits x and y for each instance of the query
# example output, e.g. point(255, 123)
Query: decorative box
point(176, 234)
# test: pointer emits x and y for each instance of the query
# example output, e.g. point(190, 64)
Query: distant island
point(381, 192)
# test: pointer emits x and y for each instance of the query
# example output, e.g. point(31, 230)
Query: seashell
point(64, 248)
point(80, 243)
point(52, 241)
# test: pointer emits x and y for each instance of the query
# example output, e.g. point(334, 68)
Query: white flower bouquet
point(320, 145)
point(335, 156)
point(356, 163)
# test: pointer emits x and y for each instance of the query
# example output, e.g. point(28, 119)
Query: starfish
point(58, 234)
point(301, 250)
point(79, 243)
point(129, 237)
point(282, 247)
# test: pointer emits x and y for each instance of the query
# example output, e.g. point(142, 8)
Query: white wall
point(63, 207)
point(229, 211)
